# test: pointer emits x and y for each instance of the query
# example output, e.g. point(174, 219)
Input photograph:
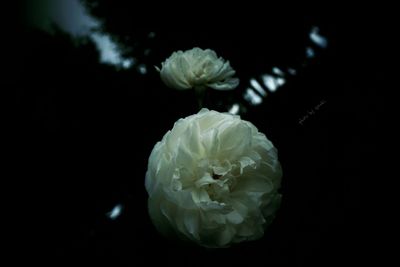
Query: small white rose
point(197, 68)
point(213, 179)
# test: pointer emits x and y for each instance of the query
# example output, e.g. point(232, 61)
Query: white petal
point(235, 217)
point(191, 222)
point(228, 84)
point(226, 236)
point(205, 180)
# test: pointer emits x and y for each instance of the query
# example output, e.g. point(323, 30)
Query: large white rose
point(213, 179)
point(197, 68)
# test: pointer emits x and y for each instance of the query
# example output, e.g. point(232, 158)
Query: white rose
point(197, 68)
point(213, 179)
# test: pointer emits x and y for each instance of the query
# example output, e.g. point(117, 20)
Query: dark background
point(84, 131)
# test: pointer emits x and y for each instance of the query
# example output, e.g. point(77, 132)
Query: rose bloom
point(213, 179)
point(197, 68)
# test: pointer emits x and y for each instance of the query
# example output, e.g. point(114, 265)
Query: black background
point(84, 131)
